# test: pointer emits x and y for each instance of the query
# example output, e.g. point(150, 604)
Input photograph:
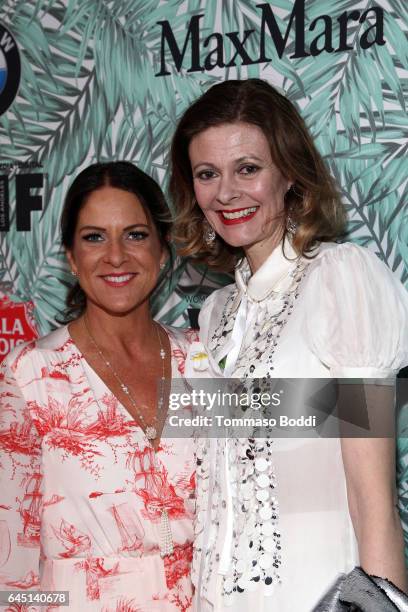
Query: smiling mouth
point(238, 215)
point(118, 280)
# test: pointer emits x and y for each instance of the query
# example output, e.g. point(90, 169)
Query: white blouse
point(275, 532)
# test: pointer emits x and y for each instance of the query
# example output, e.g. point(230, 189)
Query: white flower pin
point(199, 358)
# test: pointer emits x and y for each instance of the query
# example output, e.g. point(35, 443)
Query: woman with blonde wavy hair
point(279, 520)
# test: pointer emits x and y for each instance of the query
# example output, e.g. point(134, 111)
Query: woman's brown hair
point(312, 202)
point(122, 175)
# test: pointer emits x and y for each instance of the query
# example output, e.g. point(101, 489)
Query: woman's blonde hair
point(312, 202)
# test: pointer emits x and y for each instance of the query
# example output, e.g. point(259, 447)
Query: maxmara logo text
point(325, 34)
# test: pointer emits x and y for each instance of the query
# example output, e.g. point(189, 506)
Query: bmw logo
point(3, 71)
point(10, 69)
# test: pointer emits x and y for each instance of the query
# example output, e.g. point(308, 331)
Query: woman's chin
point(242, 242)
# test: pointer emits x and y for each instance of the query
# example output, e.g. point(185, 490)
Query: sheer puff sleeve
point(356, 314)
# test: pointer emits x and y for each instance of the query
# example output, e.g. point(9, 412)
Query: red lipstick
point(238, 219)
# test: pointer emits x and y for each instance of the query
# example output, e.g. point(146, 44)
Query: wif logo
point(10, 69)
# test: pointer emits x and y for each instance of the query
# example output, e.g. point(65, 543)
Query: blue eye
point(138, 235)
point(92, 237)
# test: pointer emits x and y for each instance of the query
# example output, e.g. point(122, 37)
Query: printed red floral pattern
point(82, 491)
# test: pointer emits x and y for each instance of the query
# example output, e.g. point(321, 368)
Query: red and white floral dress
point(82, 491)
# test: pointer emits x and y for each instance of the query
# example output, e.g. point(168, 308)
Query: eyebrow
point(236, 161)
point(103, 229)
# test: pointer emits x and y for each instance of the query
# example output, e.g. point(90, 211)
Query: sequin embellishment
point(255, 556)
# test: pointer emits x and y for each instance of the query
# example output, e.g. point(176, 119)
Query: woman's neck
point(119, 333)
point(259, 252)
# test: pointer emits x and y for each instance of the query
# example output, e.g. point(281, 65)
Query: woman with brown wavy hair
point(286, 516)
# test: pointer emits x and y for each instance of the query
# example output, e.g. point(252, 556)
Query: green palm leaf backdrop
point(89, 91)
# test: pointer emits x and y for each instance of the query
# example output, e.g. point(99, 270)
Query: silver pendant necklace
point(149, 429)
point(166, 538)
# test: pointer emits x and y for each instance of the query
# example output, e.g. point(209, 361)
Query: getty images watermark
point(212, 401)
point(290, 407)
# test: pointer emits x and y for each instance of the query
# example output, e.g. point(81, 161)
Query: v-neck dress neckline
point(82, 493)
point(91, 373)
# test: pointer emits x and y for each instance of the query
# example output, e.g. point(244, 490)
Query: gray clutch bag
point(359, 592)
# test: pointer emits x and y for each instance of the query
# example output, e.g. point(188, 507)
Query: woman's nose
point(115, 252)
point(227, 189)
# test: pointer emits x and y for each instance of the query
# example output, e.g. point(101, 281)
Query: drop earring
point(209, 234)
point(291, 226)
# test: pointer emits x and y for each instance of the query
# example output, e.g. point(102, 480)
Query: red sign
point(16, 324)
